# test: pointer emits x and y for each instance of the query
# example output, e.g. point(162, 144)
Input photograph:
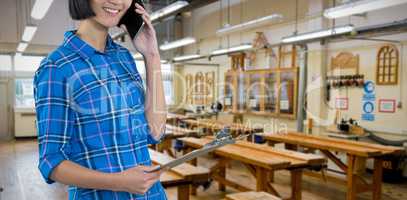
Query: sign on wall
point(387, 105)
point(368, 101)
point(342, 103)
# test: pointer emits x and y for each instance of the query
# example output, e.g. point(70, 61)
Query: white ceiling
point(14, 15)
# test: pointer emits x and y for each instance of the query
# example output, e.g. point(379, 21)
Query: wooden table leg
point(193, 162)
point(296, 190)
point(183, 192)
point(261, 179)
point(351, 179)
point(377, 178)
point(222, 173)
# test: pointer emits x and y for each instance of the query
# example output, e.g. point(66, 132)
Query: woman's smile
point(111, 11)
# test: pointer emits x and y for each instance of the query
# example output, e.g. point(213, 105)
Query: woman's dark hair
point(80, 9)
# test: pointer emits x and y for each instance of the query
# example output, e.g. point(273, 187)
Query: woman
point(93, 124)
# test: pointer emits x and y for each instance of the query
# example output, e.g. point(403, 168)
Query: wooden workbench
point(211, 126)
point(173, 132)
point(175, 119)
point(357, 154)
point(261, 161)
point(182, 176)
point(251, 196)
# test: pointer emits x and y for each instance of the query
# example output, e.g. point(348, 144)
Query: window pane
point(166, 75)
point(254, 91)
point(5, 63)
point(24, 93)
point(271, 92)
point(27, 63)
point(287, 92)
point(168, 92)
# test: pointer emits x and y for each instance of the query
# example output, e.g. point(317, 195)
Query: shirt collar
point(74, 42)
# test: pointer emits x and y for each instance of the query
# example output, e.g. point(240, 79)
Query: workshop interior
point(300, 99)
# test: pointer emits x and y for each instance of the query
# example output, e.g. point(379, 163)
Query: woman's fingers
point(140, 7)
point(145, 16)
point(147, 21)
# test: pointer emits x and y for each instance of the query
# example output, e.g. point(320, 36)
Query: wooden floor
point(20, 179)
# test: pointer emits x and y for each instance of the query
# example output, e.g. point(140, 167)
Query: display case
point(268, 92)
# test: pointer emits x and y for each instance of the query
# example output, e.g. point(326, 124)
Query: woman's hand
point(136, 180)
point(146, 41)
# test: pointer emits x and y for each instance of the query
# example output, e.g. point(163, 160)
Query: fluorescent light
point(164, 61)
point(22, 46)
point(40, 8)
point(168, 9)
point(188, 57)
point(249, 25)
point(178, 43)
point(232, 49)
point(319, 34)
point(29, 32)
point(357, 7)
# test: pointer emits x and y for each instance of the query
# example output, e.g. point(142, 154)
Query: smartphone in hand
point(132, 20)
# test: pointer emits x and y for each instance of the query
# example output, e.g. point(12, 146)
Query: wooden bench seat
point(251, 196)
point(182, 176)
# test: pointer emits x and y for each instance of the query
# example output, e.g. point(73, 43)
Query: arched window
point(199, 89)
point(387, 65)
point(189, 88)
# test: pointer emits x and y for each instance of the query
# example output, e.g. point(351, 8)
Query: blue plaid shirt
point(90, 110)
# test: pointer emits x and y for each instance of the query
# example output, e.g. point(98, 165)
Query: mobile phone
point(132, 20)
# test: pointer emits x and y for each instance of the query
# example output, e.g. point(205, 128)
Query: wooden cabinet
point(270, 92)
point(24, 122)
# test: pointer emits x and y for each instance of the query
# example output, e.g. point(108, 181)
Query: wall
point(203, 26)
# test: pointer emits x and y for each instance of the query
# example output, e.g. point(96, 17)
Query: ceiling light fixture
point(357, 7)
point(29, 32)
point(178, 43)
point(168, 9)
point(250, 24)
point(22, 47)
point(319, 34)
point(40, 8)
point(187, 57)
point(232, 49)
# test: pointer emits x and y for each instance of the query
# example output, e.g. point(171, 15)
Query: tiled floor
point(21, 180)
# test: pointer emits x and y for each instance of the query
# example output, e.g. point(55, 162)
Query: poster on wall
point(368, 101)
point(387, 105)
point(342, 103)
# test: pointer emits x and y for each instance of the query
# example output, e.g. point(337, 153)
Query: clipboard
point(222, 138)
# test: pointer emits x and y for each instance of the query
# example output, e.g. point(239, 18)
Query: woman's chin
point(110, 24)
